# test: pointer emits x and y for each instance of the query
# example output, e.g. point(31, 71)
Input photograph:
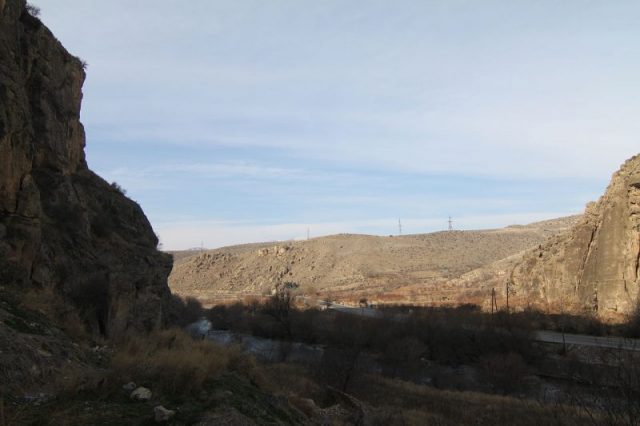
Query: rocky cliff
point(62, 227)
point(594, 267)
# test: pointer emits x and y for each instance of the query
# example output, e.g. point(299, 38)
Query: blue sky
point(250, 120)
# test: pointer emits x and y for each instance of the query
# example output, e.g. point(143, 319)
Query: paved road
point(363, 312)
point(540, 336)
point(586, 340)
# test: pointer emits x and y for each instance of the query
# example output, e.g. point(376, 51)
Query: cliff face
point(62, 227)
point(594, 267)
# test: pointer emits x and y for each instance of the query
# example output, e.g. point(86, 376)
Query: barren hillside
point(351, 266)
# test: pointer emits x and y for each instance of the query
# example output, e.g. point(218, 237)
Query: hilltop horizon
point(364, 234)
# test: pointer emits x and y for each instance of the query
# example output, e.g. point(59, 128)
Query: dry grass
point(292, 379)
point(423, 405)
point(420, 405)
point(172, 362)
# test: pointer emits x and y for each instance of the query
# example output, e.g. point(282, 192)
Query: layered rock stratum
point(62, 227)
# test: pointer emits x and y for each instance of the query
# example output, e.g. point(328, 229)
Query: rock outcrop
point(595, 267)
point(62, 227)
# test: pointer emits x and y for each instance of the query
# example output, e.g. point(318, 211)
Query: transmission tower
point(450, 224)
point(399, 227)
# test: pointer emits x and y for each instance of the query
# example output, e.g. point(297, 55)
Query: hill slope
point(350, 266)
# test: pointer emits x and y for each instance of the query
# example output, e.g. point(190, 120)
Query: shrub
point(171, 362)
point(185, 311)
point(32, 10)
point(116, 186)
point(404, 355)
point(280, 308)
point(84, 64)
point(632, 327)
point(505, 371)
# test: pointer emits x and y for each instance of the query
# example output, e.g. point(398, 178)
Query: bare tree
point(280, 307)
point(614, 378)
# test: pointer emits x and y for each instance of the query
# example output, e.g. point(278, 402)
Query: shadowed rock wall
point(61, 226)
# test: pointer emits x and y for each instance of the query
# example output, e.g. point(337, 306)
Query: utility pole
point(450, 224)
point(399, 227)
point(494, 303)
point(508, 282)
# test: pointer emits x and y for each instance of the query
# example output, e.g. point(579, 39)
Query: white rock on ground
point(141, 394)
point(162, 414)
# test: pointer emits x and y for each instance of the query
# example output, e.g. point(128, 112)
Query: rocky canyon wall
point(594, 267)
point(62, 227)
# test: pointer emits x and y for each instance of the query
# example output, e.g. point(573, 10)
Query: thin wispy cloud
point(300, 111)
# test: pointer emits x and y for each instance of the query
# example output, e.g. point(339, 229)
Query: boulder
point(141, 394)
point(129, 386)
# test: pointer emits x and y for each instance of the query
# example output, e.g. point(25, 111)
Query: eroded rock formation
point(62, 227)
